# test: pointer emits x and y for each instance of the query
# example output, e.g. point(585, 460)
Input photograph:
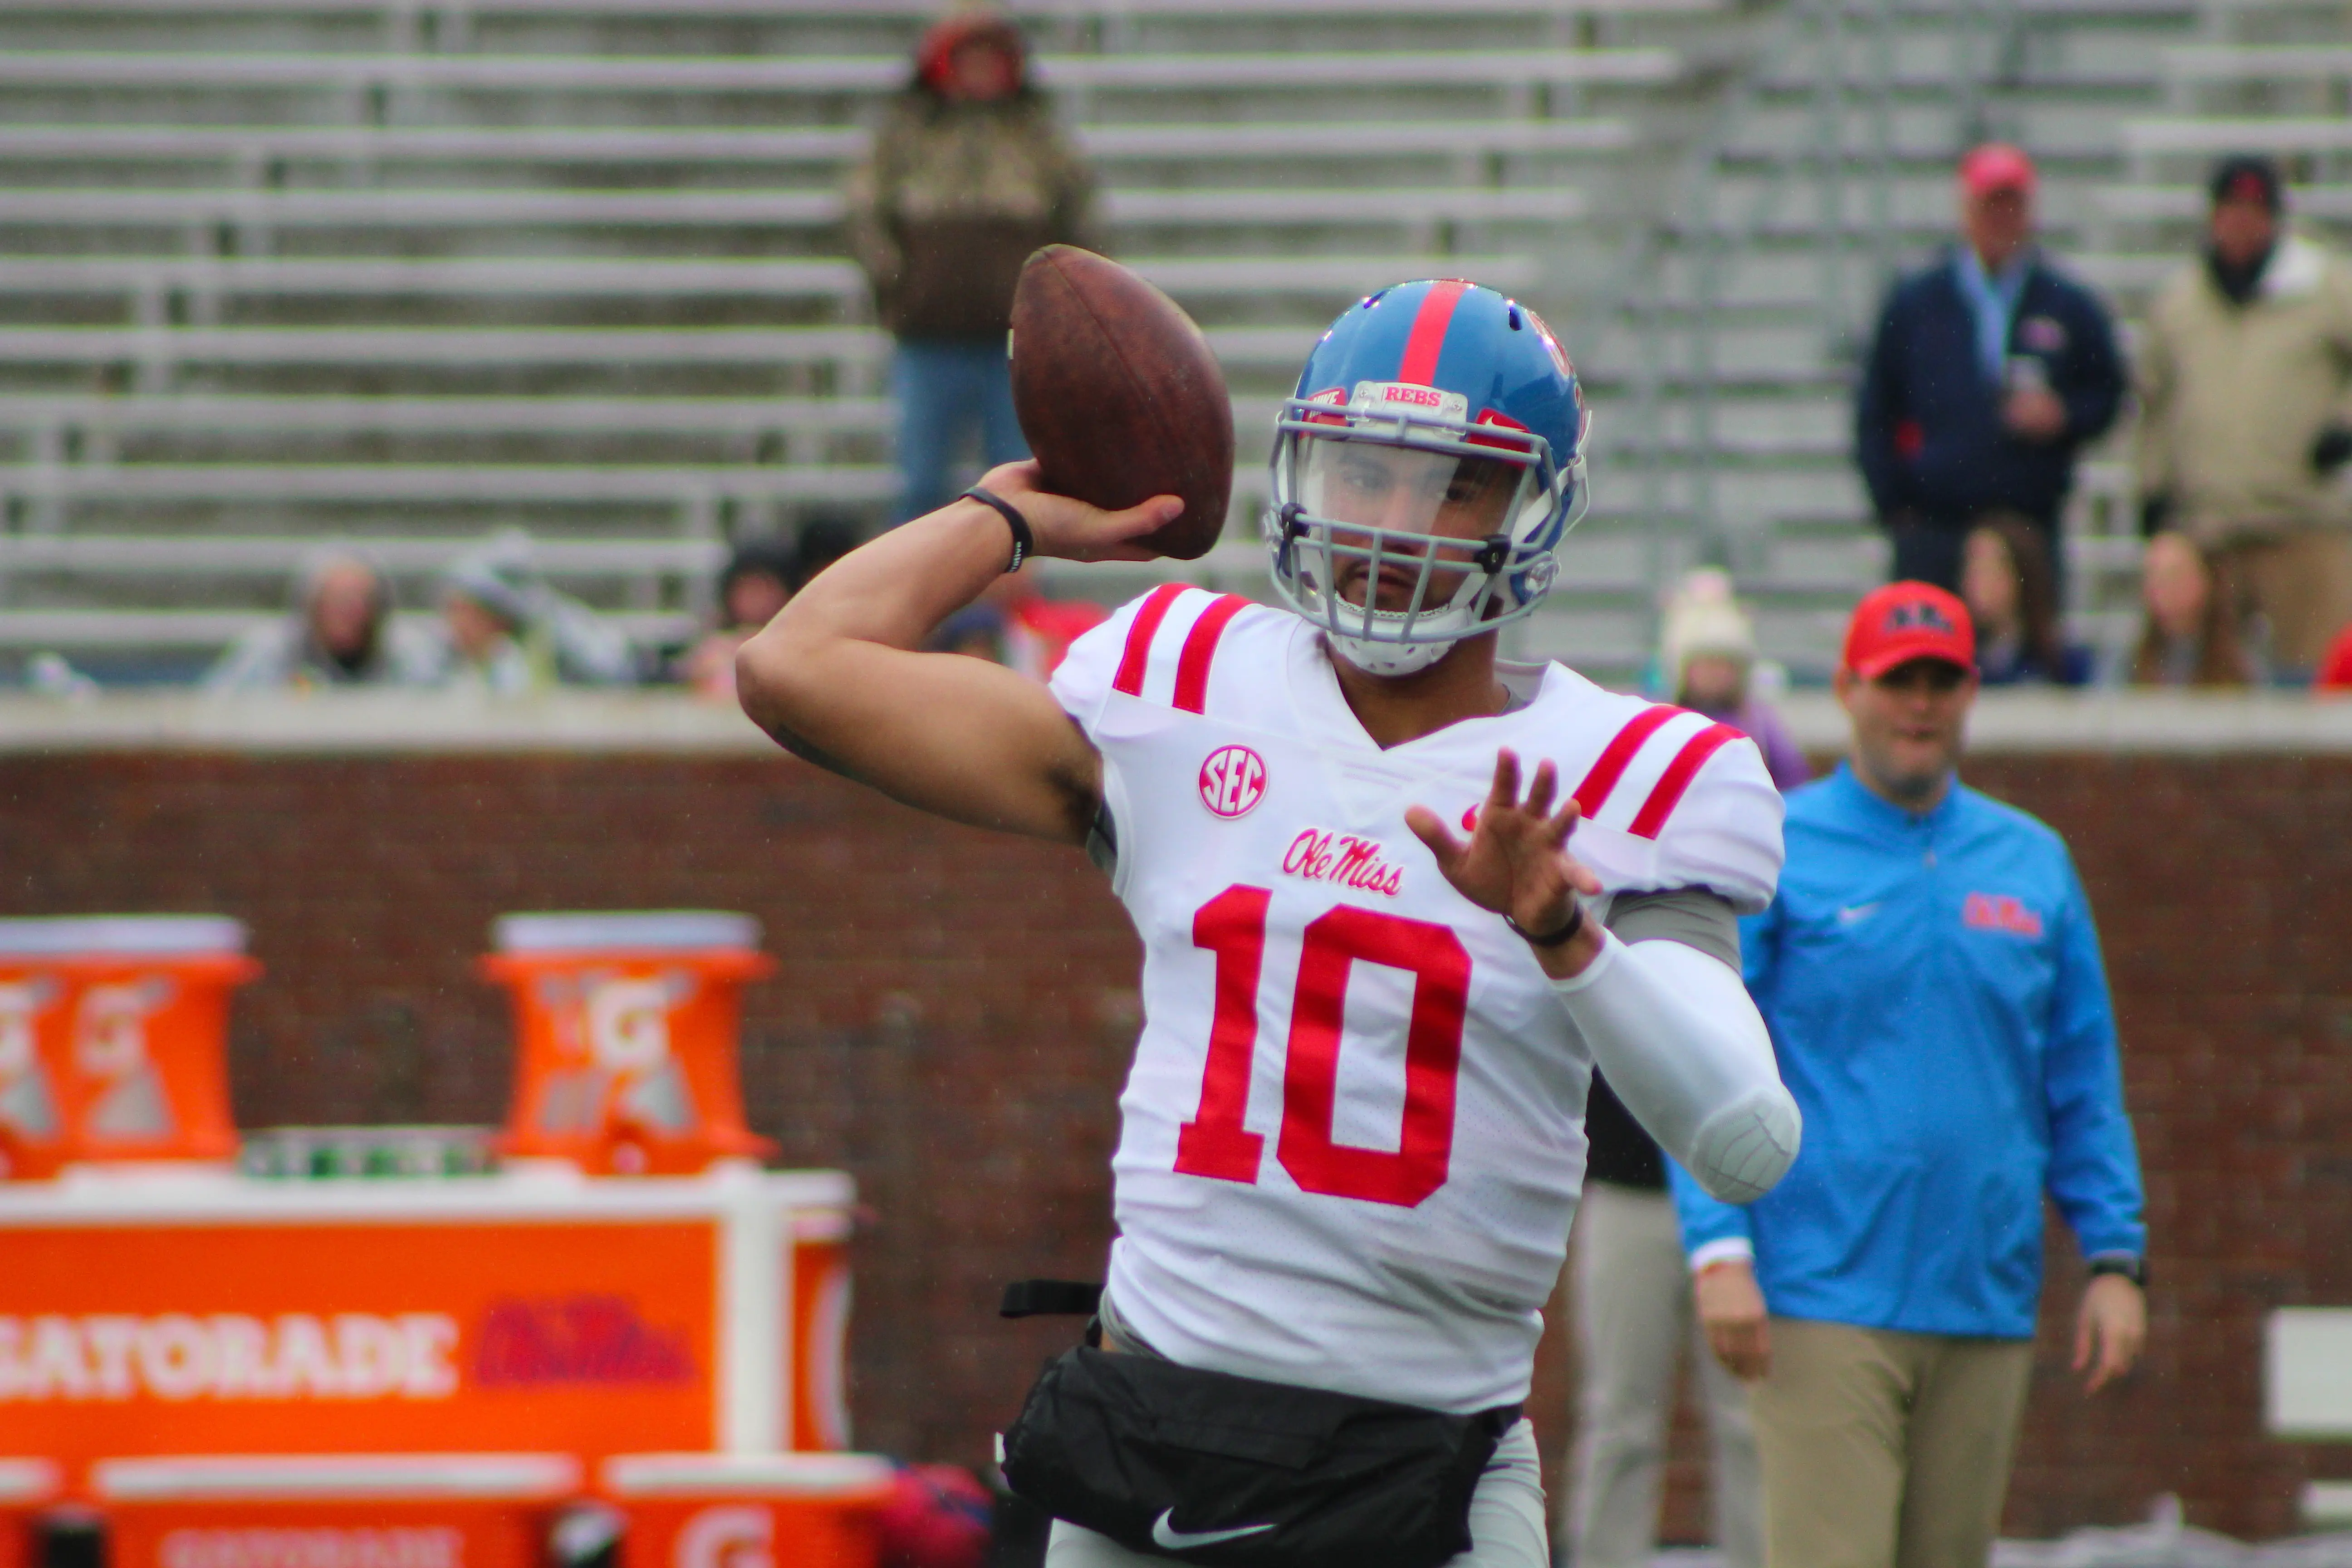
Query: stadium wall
point(953, 1015)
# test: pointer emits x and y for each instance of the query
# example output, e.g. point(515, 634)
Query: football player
point(1397, 895)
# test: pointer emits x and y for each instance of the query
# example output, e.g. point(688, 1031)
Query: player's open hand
point(1070, 530)
point(1517, 862)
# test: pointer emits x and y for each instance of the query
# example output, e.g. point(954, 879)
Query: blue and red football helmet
point(1428, 395)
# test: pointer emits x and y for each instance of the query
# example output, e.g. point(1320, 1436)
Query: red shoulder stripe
point(1200, 648)
point(1138, 653)
point(1677, 777)
point(1618, 755)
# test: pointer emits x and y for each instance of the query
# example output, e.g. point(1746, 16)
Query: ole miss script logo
point(1233, 781)
point(1341, 858)
point(1999, 911)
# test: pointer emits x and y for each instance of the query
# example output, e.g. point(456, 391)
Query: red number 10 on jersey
point(1215, 1143)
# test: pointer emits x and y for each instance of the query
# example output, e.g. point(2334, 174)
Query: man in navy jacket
point(1990, 370)
point(1931, 976)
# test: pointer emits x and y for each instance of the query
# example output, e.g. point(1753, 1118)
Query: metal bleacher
point(275, 271)
point(1746, 312)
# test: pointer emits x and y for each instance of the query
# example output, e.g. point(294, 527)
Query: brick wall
point(952, 1020)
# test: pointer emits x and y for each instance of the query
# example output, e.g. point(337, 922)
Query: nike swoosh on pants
point(1165, 1534)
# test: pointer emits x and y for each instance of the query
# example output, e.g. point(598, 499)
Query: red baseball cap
point(1905, 621)
point(1997, 167)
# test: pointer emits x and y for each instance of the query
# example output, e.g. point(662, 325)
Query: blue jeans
point(945, 388)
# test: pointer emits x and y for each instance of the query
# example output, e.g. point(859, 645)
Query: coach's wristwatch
point(2130, 1264)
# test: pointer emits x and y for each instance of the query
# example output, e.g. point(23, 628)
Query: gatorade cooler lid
point(263, 1478)
point(25, 1481)
point(771, 1474)
point(153, 936)
point(631, 929)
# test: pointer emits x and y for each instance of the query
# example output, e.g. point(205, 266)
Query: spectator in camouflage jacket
point(968, 175)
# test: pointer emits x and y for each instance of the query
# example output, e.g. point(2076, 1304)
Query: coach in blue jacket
point(1931, 977)
point(1989, 370)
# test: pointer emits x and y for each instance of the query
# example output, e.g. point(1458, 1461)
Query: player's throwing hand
point(1070, 530)
point(1516, 864)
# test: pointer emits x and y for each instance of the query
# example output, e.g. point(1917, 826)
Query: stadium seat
point(261, 213)
point(832, 76)
point(2215, 136)
point(910, 12)
point(2332, 203)
point(828, 147)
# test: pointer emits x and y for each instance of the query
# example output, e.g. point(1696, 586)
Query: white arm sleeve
point(1681, 1042)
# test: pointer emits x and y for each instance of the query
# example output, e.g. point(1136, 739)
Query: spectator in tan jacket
point(967, 177)
point(2246, 419)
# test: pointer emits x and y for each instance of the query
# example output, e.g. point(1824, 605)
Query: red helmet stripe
point(1428, 335)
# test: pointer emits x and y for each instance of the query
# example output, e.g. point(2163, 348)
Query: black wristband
point(1564, 935)
point(2132, 1268)
point(1024, 543)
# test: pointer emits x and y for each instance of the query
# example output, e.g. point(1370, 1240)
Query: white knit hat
point(1702, 617)
point(497, 575)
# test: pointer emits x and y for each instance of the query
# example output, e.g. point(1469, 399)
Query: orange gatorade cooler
point(26, 1486)
point(114, 1035)
point(821, 1301)
point(626, 1032)
point(748, 1511)
point(421, 1510)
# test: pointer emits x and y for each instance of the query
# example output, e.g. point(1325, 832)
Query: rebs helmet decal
point(1448, 368)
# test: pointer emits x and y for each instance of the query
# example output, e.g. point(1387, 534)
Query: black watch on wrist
point(2130, 1266)
point(1566, 933)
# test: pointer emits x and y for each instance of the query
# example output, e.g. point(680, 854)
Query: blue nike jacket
point(1937, 1004)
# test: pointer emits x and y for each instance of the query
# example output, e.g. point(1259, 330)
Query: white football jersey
point(1353, 1139)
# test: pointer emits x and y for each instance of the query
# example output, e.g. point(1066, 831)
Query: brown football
point(1120, 396)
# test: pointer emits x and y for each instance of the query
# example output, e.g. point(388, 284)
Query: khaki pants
point(2300, 583)
point(1635, 1320)
point(1884, 1449)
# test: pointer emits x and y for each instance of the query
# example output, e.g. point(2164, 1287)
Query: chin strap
point(1387, 658)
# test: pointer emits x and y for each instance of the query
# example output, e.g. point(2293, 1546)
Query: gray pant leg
point(1074, 1546)
point(1635, 1317)
point(1736, 1486)
point(1632, 1295)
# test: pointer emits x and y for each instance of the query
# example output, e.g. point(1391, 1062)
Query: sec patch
point(1233, 781)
